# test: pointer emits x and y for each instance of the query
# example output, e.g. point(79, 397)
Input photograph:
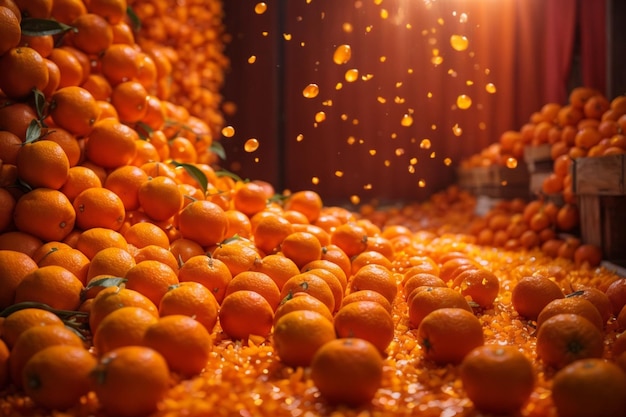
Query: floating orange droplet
point(463, 102)
point(447, 161)
point(338, 174)
point(315, 180)
point(260, 8)
point(459, 42)
point(425, 144)
point(347, 27)
point(456, 130)
point(320, 116)
point(436, 60)
point(342, 54)
point(407, 120)
point(352, 75)
point(311, 91)
point(252, 59)
point(490, 88)
point(511, 163)
point(228, 131)
point(421, 183)
point(251, 145)
point(300, 138)
point(355, 199)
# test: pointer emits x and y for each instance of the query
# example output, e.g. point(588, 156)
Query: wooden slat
point(605, 175)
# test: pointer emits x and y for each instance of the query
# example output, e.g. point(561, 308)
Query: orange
point(14, 267)
point(144, 152)
point(588, 255)
point(113, 11)
point(70, 69)
point(20, 242)
point(34, 340)
point(10, 144)
point(331, 267)
point(310, 283)
point(211, 273)
point(278, 267)
point(125, 182)
point(480, 284)
point(10, 30)
point(270, 231)
point(71, 259)
point(370, 257)
point(111, 144)
point(424, 300)
point(351, 238)
point(367, 295)
point(377, 278)
point(4, 365)
point(74, 109)
point(52, 285)
point(45, 213)
point(421, 280)
point(130, 99)
point(425, 264)
point(58, 376)
point(35, 8)
point(598, 298)
point(16, 118)
point(156, 253)
point(498, 379)
point(590, 387)
point(183, 341)
point(246, 313)
point(333, 283)
point(532, 293)
point(151, 278)
point(44, 155)
point(336, 255)
point(301, 301)
point(616, 292)
point(258, 282)
point(447, 335)
point(367, 320)
point(79, 178)
point(19, 321)
point(348, 371)
point(139, 372)
point(301, 247)
point(94, 240)
point(112, 261)
point(238, 224)
point(191, 299)
point(183, 249)
point(299, 334)
point(239, 255)
point(182, 149)
point(92, 34)
point(250, 198)
point(306, 202)
point(99, 207)
point(566, 337)
point(125, 326)
point(144, 233)
point(7, 205)
point(112, 298)
point(160, 197)
point(203, 222)
point(23, 70)
point(98, 86)
point(574, 305)
point(119, 63)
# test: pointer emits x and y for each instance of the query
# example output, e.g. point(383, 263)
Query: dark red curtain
point(407, 65)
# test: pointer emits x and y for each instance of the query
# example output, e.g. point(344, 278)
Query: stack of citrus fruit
point(137, 280)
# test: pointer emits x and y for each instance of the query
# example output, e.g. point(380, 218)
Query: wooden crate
point(495, 181)
point(538, 158)
point(600, 186)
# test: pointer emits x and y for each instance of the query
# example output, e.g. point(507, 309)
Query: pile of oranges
point(137, 280)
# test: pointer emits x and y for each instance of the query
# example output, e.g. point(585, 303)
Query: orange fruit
point(15, 118)
point(497, 379)
point(270, 231)
point(125, 326)
point(367, 295)
point(125, 182)
point(421, 280)
point(336, 255)
point(160, 198)
point(351, 238)
point(299, 334)
point(239, 255)
point(70, 69)
point(144, 233)
point(10, 31)
point(574, 305)
point(119, 63)
point(598, 298)
point(44, 155)
point(4, 365)
point(348, 371)
point(10, 144)
point(71, 259)
point(156, 253)
point(92, 34)
point(301, 247)
point(99, 207)
point(301, 301)
point(23, 69)
point(376, 278)
point(312, 284)
point(367, 320)
point(151, 278)
point(532, 293)
point(7, 205)
point(35, 339)
point(112, 261)
point(306, 202)
point(203, 222)
point(183, 249)
point(566, 337)
point(191, 299)
point(480, 284)
point(333, 283)
point(278, 267)
point(74, 109)
point(139, 372)
point(14, 266)
point(111, 144)
point(112, 298)
point(35, 8)
point(370, 257)
point(130, 99)
point(58, 376)
point(238, 224)
point(211, 273)
point(258, 282)
point(447, 335)
point(250, 198)
point(589, 387)
point(20, 242)
point(79, 178)
point(246, 313)
point(52, 285)
point(424, 300)
point(330, 266)
point(616, 292)
point(93, 240)
point(21, 320)
point(98, 86)
point(113, 11)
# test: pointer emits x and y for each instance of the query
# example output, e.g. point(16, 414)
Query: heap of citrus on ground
point(129, 264)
